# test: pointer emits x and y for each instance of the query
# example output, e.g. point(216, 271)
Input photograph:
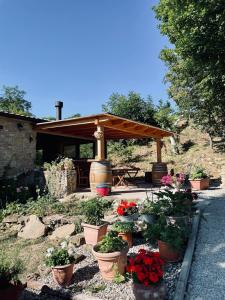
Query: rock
point(43, 270)
point(11, 219)
point(77, 240)
point(63, 232)
point(33, 229)
point(23, 219)
point(8, 235)
point(34, 285)
point(53, 219)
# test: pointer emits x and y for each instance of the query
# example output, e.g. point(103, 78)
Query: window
point(86, 151)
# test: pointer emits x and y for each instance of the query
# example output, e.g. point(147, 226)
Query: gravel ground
point(207, 277)
point(87, 280)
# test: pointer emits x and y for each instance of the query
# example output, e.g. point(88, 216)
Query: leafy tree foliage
point(196, 68)
point(12, 101)
point(132, 106)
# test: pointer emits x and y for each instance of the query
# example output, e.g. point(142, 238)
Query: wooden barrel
point(158, 171)
point(100, 173)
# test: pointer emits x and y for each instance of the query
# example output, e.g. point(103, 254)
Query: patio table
point(120, 173)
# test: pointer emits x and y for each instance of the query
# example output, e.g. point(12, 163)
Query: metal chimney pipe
point(58, 106)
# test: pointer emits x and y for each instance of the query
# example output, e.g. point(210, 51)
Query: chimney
point(58, 106)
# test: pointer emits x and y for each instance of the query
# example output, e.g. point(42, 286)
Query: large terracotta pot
point(12, 291)
point(153, 292)
point(168, 253)
point(200, 184)
point(127, 236)
point(62, 275)
point(94, 234)
point(111, 263)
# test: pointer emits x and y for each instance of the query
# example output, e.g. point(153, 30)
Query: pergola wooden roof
point(114, 128)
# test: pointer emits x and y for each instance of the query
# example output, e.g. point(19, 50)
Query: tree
point(12, 101)
point(132, 106)
point(196, 68)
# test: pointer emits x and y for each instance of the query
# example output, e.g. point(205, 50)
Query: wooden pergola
point(103, 127)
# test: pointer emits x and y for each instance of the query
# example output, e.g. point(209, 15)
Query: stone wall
point(17, 146)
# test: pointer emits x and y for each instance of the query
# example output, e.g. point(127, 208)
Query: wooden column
point(158, 150)
point(99, 135)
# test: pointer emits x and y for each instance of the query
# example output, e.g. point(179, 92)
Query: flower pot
point(150, 219)
point(103, 191)
point(127, 236)
point(12, 291)
point(152, 292)
point(111, 263)
point(180, 220)
point(93, 234)
point(168, 253)
point(62, 275)
point(130, 218)
point(200, 184)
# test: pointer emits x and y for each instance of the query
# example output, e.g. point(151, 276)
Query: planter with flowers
point(61, 260)
point(199, 180)
point(10, 286)
point(146, 269)
point(127, 211)
point(124, 230)
point(149, 210)
point(111, 254)
point(94, 227)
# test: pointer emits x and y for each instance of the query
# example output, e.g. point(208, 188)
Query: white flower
point(50, 250)
point(48, 255)
point(64, 245)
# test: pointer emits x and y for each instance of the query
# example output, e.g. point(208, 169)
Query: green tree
point(196, 68)
point(132, 106)
point(12, 101)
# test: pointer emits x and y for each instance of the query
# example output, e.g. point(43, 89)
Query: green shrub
point(111, 243)
point(198, 173)
point(10, 267)
point(59, 256)
point(123, 227)
point(93, 210)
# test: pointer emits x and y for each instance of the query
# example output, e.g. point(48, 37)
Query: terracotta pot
point(130, 218)
point(111, 263)
point(168, 253)
point(153, 292)
point(62, 275)
point(200, 184)
point(127, 236)
point(94, 234)
point(150, 219)
point(12, 291)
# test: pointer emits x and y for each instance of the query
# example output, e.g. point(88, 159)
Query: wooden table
point(119, 175)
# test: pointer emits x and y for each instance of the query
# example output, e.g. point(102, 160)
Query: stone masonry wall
point(17, 146)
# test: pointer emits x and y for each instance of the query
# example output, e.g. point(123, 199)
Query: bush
point(111, 243)
point(93, 211)
point(123, 227)
point(10, 268)
point(59, 256)
point(198, 173)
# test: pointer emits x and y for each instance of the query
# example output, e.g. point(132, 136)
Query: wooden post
point(99, 135)
point(158, 150)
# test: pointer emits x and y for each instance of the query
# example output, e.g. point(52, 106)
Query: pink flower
point(18, 190)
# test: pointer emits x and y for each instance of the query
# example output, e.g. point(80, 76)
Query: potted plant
point(111, 254)
point(94, 227)
point(146, 269)
point(124, 230)
point(10, 286)
point(199, 179)
point(61, 260)
point(127, 211)
point(149, 211)
point(170, 237)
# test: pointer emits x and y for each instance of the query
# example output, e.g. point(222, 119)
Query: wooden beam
point(158, 150)
point(66, 135)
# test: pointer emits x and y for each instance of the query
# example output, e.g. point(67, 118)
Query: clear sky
point(80, 52)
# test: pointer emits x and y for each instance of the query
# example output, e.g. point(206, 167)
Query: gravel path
point(87, 280)
point(207, 277)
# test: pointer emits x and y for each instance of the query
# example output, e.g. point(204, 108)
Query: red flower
point(148, 260)
point(142, 251)
point(145, 282)
point(132, 204)
point(141, 276)
point(120, 211)
point(153, 277)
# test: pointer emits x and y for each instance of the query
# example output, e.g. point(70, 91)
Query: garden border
point(187, 261)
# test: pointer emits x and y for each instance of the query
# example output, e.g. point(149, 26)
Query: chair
point(83, 176)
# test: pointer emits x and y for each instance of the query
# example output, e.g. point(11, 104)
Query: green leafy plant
point(123, 227)
point(119, 278)
point(111, 243)
point(198, 173)
point(10, 268)
point(59, 256)
point(93, 211)
point(149, 208)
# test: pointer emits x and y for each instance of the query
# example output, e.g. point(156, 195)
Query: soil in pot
point(94, 234)
point(153, 292)
point(168, 253)
point(111, 263)
point(62, 275)
point(127, 236)
point(12, 291)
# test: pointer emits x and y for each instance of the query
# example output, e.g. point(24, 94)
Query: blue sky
point(80, 52)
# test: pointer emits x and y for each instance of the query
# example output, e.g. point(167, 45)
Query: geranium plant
point(59, 256)
point(146, 267)
point(127, 208)
point(177, 182)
